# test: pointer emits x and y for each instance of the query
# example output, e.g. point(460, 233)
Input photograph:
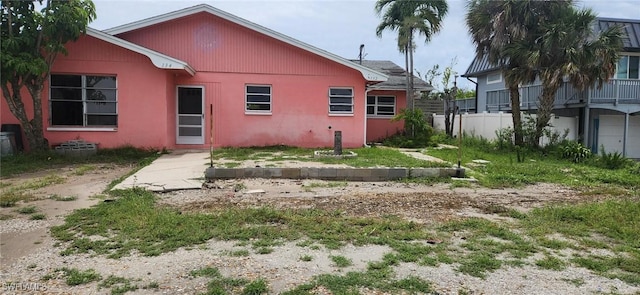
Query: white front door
point(190, 119)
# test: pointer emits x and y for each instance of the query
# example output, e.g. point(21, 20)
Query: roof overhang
point(159, 60)
point(392, 88)
point(367, 74)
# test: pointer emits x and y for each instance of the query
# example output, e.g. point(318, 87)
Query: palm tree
point(567, 48)
point(409, 17)
point(496, 25)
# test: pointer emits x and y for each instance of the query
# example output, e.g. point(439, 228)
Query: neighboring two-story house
point(608, 117)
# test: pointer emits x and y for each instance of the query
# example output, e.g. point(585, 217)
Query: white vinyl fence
point(486, 124)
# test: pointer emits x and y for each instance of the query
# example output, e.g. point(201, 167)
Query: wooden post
point(337, 143)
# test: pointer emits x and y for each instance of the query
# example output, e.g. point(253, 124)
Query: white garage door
point(611, 133)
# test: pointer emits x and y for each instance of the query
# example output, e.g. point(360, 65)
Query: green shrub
point(417, 131)
point(504, 138)
point(574, 151)
point(613, 160)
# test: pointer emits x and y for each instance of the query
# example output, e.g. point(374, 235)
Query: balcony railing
point(615, 92)
point(466, 105)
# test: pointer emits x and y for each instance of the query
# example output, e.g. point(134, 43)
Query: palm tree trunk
point(544, 109)
point(514, 95)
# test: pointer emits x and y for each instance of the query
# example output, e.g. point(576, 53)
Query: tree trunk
point(544, 109)
point(36, 138)
point(410, 100)
point(33, 130)
point(514, 95)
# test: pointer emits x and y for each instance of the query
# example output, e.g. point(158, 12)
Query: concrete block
point(424, 172)
point(272, 172)
point(327, 173)
point(361, 174)
point(308, 172)
point(344, 173)
point(379, 174)
point(291, 173)
point(397, 173)
point(253, 172)
point(223, 173)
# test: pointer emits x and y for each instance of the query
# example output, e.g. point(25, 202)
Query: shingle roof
point(397, 76)
point(630, 39)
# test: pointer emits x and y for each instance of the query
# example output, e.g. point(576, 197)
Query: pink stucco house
point(173, 80)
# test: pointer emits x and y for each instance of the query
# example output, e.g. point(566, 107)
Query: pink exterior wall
point(141, 95)
point(227, 56)
point(381, 128)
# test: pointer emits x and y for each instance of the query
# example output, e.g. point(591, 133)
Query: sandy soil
point(27, 252)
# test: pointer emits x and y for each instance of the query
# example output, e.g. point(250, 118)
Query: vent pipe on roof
point(360, 56)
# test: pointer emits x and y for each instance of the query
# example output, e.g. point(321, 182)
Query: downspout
point(476, 96)
point(626, 134)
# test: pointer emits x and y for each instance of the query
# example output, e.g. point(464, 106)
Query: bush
point(413, 120)
point(613, 160)
point(574, 151)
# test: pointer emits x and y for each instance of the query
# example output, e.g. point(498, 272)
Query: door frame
point(194, 139)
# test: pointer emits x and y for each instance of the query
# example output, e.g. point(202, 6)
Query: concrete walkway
point(183, 170)
point(180, 170)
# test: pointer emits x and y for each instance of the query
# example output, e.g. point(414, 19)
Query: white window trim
point(84, 126)
point(375, 107)
point(87, 129)
point(258, 112)
point(494, 81)
point(629, 55)
point(340, 113)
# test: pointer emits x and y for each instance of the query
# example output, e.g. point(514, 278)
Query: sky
point(340, 26)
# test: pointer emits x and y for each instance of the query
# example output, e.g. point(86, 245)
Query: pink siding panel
point(141, 95)
point(299, 111)
point(211, 44)
point(381, 128)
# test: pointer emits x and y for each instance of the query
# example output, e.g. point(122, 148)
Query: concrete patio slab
point(176, 171)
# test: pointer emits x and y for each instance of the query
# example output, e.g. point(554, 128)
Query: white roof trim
point(368, 74)
point(159, 60)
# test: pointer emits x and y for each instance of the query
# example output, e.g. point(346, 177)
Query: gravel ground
point(282, 268)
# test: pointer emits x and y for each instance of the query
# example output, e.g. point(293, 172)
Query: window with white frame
point(628, 67)
point(494, 78)
point(381, 106)
point(258, 99)
point(340, 100)
point(83, 100)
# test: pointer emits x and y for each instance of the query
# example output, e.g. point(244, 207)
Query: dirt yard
point(28, 252)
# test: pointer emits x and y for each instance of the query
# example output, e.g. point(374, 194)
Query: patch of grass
point(84, 169)
point(6, 216)
point(38, 216)
point(306, 258)
point(379, 277)
point(256, 287)
point(576, 282)
point(73, 276)
point(539, 166)
point(152, 285)
point(551, 262)
point(477, 264)
point(264, 250)
point(328, 184)
point(63, 198)
point(341, 261)
point(27, 210)
point(133, 221)
point(240, 253)
point(38, 161)
point(222, 285)
point(118, 285)
point(367, 157)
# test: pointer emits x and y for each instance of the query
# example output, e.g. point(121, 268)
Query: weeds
point(74, 276)
point(341, 261)
point(222, 285)
point(38, 216)
point(27, 210)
